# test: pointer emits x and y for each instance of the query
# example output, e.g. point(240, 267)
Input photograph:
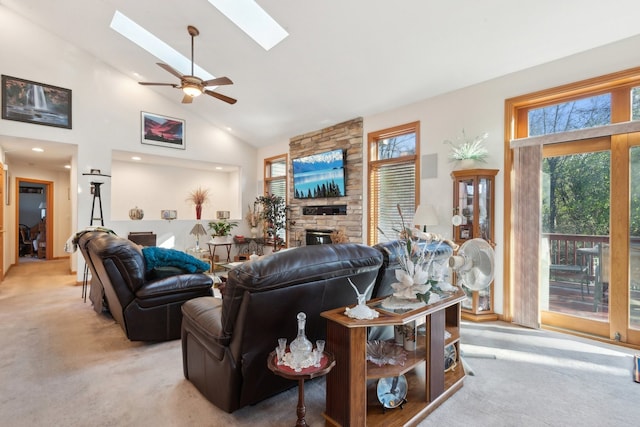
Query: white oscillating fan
point(474, 265)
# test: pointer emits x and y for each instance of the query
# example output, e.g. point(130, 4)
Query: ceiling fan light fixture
point(191, 90)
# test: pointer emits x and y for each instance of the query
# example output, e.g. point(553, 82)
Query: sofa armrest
point(181, 283)
point(202, 317)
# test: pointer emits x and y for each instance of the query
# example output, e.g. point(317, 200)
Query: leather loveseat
point(225, 342)
point(147, 308)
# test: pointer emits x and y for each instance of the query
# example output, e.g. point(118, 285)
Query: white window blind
point(392, 184)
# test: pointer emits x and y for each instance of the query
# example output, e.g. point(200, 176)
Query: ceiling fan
point(191, 85)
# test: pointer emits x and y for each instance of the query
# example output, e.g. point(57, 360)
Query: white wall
point(106, 116)
point(130, 186)
point(479, 109)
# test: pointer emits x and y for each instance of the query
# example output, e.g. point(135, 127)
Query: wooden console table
point(429, 384)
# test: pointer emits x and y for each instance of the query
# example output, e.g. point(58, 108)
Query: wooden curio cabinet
point(473, 210)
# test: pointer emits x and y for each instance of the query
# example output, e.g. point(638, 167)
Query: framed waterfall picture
point(33, 102)
point(163, 131)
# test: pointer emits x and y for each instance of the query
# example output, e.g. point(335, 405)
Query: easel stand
point(96, 196)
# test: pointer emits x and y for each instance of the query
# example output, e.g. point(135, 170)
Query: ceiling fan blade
point(157, 84)
point(218, 82)
point(220, 96)
point(170, 69)
point(187, 99)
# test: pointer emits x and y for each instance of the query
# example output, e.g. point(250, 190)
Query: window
point(393, 179)
point(576, 114)
point(635, 103)
point(275, 176)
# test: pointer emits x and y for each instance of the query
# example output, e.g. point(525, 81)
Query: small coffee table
point(327, 362)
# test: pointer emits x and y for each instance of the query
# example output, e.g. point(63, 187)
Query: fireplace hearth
point(318, 237)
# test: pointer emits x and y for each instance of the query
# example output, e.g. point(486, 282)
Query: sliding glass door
point(590, 224)
point(575, 238)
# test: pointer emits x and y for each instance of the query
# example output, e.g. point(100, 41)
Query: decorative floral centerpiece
point(468, 149)
point(198, 197)
point(253, 217)
point(418, 281)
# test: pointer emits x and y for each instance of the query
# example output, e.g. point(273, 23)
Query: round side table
point(327, 362)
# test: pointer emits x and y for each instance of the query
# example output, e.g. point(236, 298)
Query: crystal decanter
point(301, 348)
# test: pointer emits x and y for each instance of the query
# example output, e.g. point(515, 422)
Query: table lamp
point(425, 216)
point(198, 230)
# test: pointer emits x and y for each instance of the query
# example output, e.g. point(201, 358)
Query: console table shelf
point(351, 394)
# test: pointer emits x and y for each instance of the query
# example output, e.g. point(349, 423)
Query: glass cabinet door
point(465, 208)
point(485, 206)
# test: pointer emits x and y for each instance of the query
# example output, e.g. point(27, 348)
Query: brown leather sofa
point(147, 308)
point(225, 342)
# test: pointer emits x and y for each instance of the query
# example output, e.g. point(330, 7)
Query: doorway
point(596, 226)
point(34, 219)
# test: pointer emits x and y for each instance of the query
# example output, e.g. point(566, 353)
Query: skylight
point(156, 47)
point(253, 20)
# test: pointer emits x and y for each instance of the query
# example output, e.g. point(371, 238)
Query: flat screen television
point(319, 175)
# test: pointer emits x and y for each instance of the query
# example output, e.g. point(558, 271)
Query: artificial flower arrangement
point(198, 197)
point(419, 280)
point(254, 216)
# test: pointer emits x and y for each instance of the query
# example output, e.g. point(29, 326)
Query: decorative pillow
point(155, 257)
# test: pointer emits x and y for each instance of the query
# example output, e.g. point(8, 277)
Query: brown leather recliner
point(147, 309)
point(225, 342)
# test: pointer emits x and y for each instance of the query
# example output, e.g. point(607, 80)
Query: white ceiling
point(342, 58)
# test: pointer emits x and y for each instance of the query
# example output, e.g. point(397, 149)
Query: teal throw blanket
point(161, 257)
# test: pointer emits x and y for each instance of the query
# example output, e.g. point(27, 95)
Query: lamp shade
point(198, 230)
point(425, 215)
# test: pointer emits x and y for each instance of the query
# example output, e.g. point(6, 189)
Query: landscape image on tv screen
point(319, 175)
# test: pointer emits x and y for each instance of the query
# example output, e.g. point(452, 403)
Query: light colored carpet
point(61, 364)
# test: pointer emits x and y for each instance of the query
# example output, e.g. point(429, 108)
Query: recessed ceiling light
point(219, 168)
point(156, 47)
point(37, 150)
point(67, 166)
point(253, 20)
point(136, 158)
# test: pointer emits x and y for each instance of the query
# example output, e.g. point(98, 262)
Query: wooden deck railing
point(563, 248)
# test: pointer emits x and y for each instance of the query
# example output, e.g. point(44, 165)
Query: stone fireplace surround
point(347, 136)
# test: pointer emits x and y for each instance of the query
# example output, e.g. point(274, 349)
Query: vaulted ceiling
point(342, 58)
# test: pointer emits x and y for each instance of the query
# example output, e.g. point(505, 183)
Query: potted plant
point(274, 212)
point(221, 230)
point(467, 152)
